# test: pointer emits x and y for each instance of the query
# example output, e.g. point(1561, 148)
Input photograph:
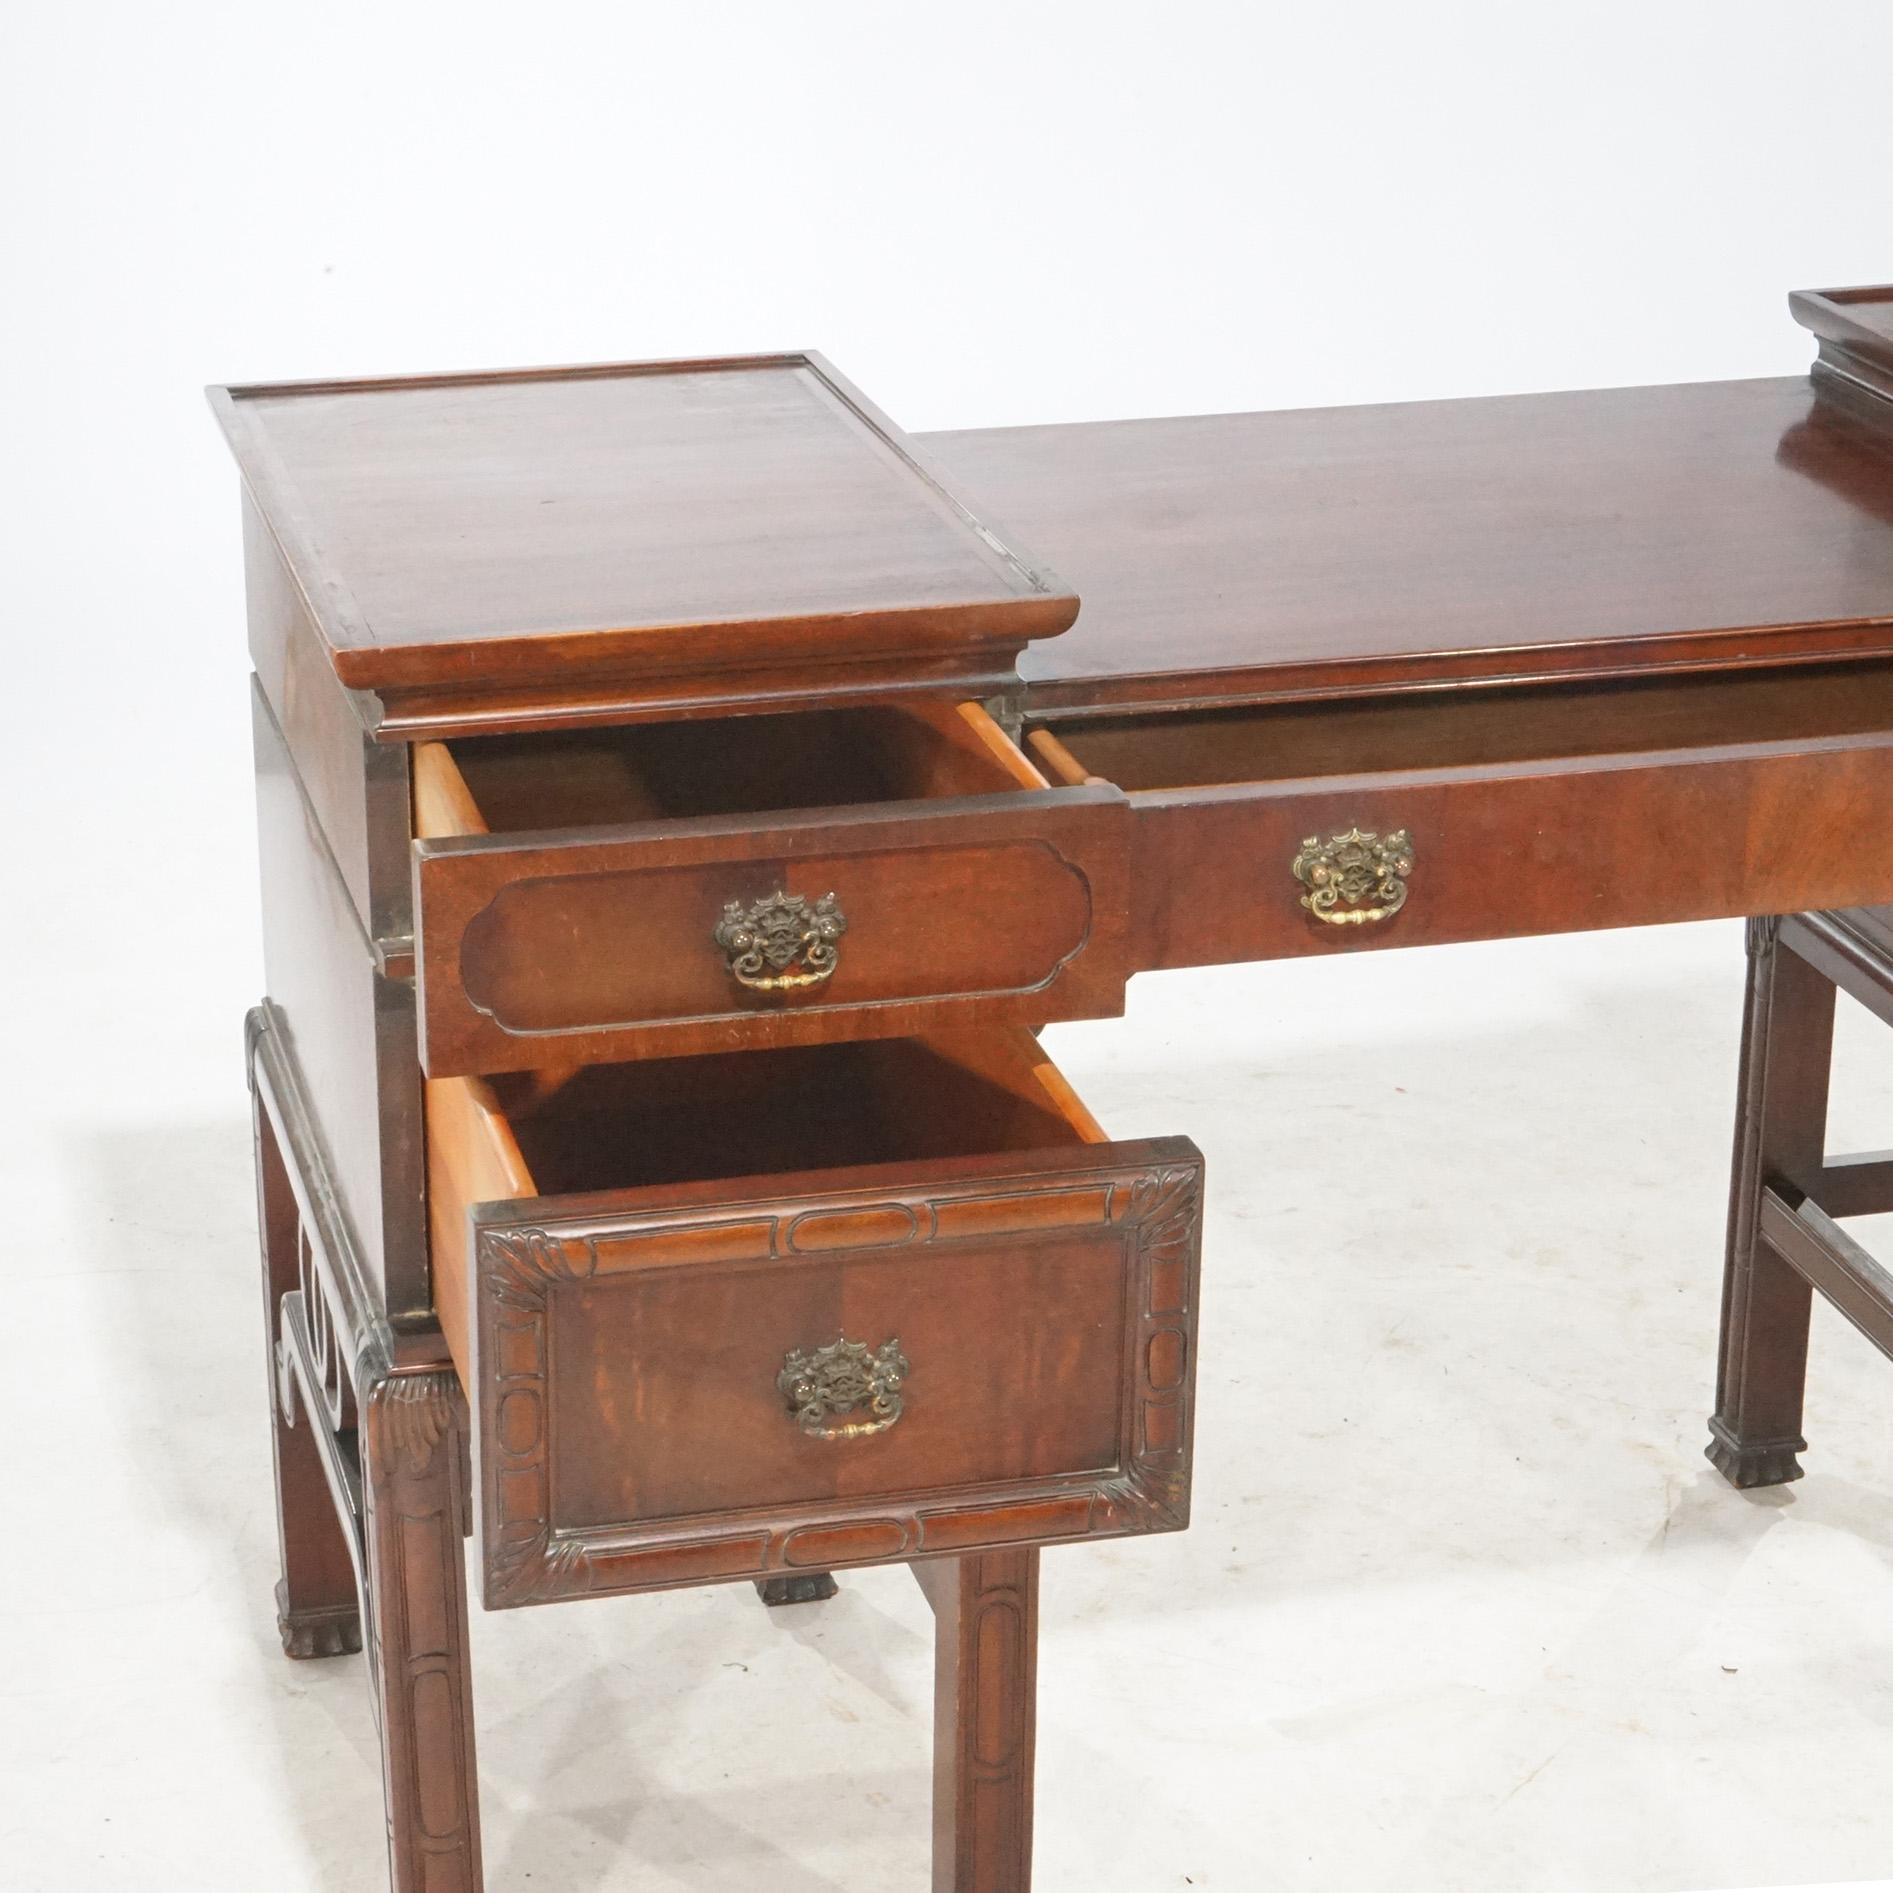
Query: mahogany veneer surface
point(1316, 551)
point(648, 516)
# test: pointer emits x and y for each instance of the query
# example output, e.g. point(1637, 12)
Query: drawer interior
point(713, 766)
point(654, 1122)
point(1470, 728)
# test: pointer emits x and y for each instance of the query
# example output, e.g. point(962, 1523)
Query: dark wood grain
point(1780, 1132)
point(1092, 1441)
point(985, 1718)
point(1334, 550)
point(542, 947)
point(348, 1028)
point(358, 788)
point(627, 1342)
point(318, 1612)
point(1466, 730)
point(574, 700)
point(690, 517)
point(412, 1428)
point(1531, 812)
point(1839, 1268)
point(1786, 1191)
point(1610, 658)
point(1854, 368)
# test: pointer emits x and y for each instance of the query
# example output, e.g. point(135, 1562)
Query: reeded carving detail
point(844, 1377)
point(782, 943)
point(1356, 878)
point(413, 1413)
point(1149, 1498)
point(531, 1566)
point(531, 1260)
point(1164, 1209)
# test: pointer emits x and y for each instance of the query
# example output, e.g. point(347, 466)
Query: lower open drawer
point(1275, 830)
point(692, 1354)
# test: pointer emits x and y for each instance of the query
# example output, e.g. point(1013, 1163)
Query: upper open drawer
point(688, 887)
point(1282, 829)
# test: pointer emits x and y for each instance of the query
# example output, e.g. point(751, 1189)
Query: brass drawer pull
point(843, 1377)
point(783, 943)
point(1355, 878)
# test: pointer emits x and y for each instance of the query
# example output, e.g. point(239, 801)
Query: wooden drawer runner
point(693, 1354)
point(1484, 815)
point(772, 880)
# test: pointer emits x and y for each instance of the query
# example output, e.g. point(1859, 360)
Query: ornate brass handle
point(843, 1377)
point(782, 943)
point(1355, 878)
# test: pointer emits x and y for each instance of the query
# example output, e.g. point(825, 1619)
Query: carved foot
point(334, 1630)
point(805, 1587)
point(1750, 1463)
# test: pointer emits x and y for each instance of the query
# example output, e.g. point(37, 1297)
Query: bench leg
point(985, 1714)
point(412, 1427)
point(317, 1612)
point(1780, 1134)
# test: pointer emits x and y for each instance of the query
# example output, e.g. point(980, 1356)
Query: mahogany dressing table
point(682, 796)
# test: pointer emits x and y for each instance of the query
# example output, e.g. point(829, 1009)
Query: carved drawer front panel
point(1291, 829)
point(800, 1370)
point(768, 880)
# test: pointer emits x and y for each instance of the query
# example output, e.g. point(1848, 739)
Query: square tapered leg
point(1781, 1128)
point(412, 1426)
point(985, 1718)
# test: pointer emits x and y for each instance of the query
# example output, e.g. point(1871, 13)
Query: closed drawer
point(1292, 829)
point(832, 1305)
point(770, 880)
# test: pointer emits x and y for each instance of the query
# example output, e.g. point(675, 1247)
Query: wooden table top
point(1320, 551)
point(643, 517)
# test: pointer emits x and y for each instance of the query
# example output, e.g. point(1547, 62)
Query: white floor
point(1463, 1607)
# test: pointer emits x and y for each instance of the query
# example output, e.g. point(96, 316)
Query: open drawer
point(1271, 831)
point(766, 1311)
point(771, 880)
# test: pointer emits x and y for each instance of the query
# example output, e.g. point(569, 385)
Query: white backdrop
point(985, 214)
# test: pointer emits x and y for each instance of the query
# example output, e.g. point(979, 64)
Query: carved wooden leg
point(411, 1428)
point(1780, 1135)
point(985, 1714)
point(805, 1587)
point(317, 1611)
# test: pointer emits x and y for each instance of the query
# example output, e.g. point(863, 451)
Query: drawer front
point(713, 1386)
point(1230, 874)
point(680, 938)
